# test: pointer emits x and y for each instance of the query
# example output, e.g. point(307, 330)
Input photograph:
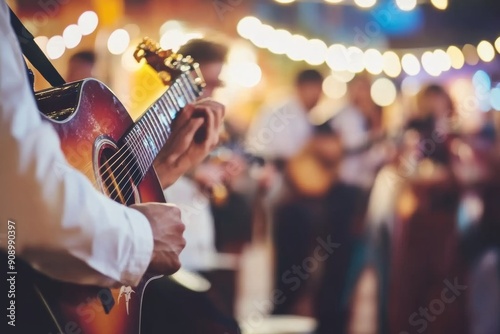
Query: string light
point(410, 64)
point(456, 57)
point(383, 92)
point(392, 66)
point(406, 5)
point(440, 4)
point(485, 51)
point(352, 59)
point(55, 47)
point(365, 3)
point(374, 63)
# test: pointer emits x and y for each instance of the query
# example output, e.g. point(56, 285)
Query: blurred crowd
point(362, 229)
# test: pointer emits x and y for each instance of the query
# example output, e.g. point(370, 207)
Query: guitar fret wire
point(156, 128)
point(137, 148)
point(152, 134)
point(151, 144)
point(165, 120)
point(158, 125)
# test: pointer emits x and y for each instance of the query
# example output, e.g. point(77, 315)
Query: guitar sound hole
point(118, 174)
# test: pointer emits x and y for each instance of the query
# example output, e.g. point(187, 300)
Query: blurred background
point(355, 188)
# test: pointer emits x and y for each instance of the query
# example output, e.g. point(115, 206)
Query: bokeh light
point(118, 41)
point(485, 51)
point(456, 57)
point(315, 53)
point(247, 26)
point(392, 65)
point(440, 4)
point(55, 47)
point(410, 64)
point(88, 22)
point(365, 3)
point(383, 92)
point(336, 57)
point(72, 36)
point(334, 88)
point(373, 61)
point(406, 5)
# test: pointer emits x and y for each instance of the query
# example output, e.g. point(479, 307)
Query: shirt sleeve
point(64, 227)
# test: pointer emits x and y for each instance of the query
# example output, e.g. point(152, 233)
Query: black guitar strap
point(33, 53)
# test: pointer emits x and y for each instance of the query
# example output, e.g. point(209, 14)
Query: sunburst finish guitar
point(99, 138)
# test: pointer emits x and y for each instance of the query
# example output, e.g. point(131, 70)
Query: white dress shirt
point(64, 227)
point(358, 169)
point(200, 252)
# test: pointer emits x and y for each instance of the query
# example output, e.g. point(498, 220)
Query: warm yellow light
point(442, 60)
point(172, 39)
point(297, 47)
point(333, 88)
point(88, 22)
point(406, 5)
point(470, 54)
point(430, 64)
point(383, 92)
point(72, 36)
point(128, 61)
point(315, 53)
point(247, 26)
point(373, 61)
point(365, 3)
point(410, 64)
point(456, 57)
point(486, 51)
point(440, 4)
point(280, 41)
point(392, 65)
point(355, 59)
point(333, 1)
point(41, 41)
point(336, 57)
point(55, 47)
point(263, 35)
point(497, 44)
point(344, 76)
point(249, 74)
point(118, 41)
point(284, 1)
point(170, 25)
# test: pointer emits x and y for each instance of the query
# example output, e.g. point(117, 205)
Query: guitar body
point(91, 122)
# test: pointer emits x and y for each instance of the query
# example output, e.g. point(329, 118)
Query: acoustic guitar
point(99, 138)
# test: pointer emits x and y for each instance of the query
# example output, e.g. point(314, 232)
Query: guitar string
point(124, 147)
point(134, 146)
point(192, 95)
point(124, 170)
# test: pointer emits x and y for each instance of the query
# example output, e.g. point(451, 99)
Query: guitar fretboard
point(152, 130)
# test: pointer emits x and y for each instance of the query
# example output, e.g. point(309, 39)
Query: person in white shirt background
point(64, 228)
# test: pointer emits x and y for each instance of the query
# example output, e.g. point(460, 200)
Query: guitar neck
point(146, 138)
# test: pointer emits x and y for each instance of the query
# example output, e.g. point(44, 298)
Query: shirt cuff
point(142, 248)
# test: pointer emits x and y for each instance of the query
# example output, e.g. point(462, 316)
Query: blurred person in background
point(81, 65)
point(284, 136)
point(413, 247)
point(358, 125)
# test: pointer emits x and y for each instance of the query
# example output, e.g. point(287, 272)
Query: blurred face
point(359, 93)
point(211, 73)
point(78, 70)
point(309, 94)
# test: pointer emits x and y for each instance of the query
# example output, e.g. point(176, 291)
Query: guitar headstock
point(168, 64)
